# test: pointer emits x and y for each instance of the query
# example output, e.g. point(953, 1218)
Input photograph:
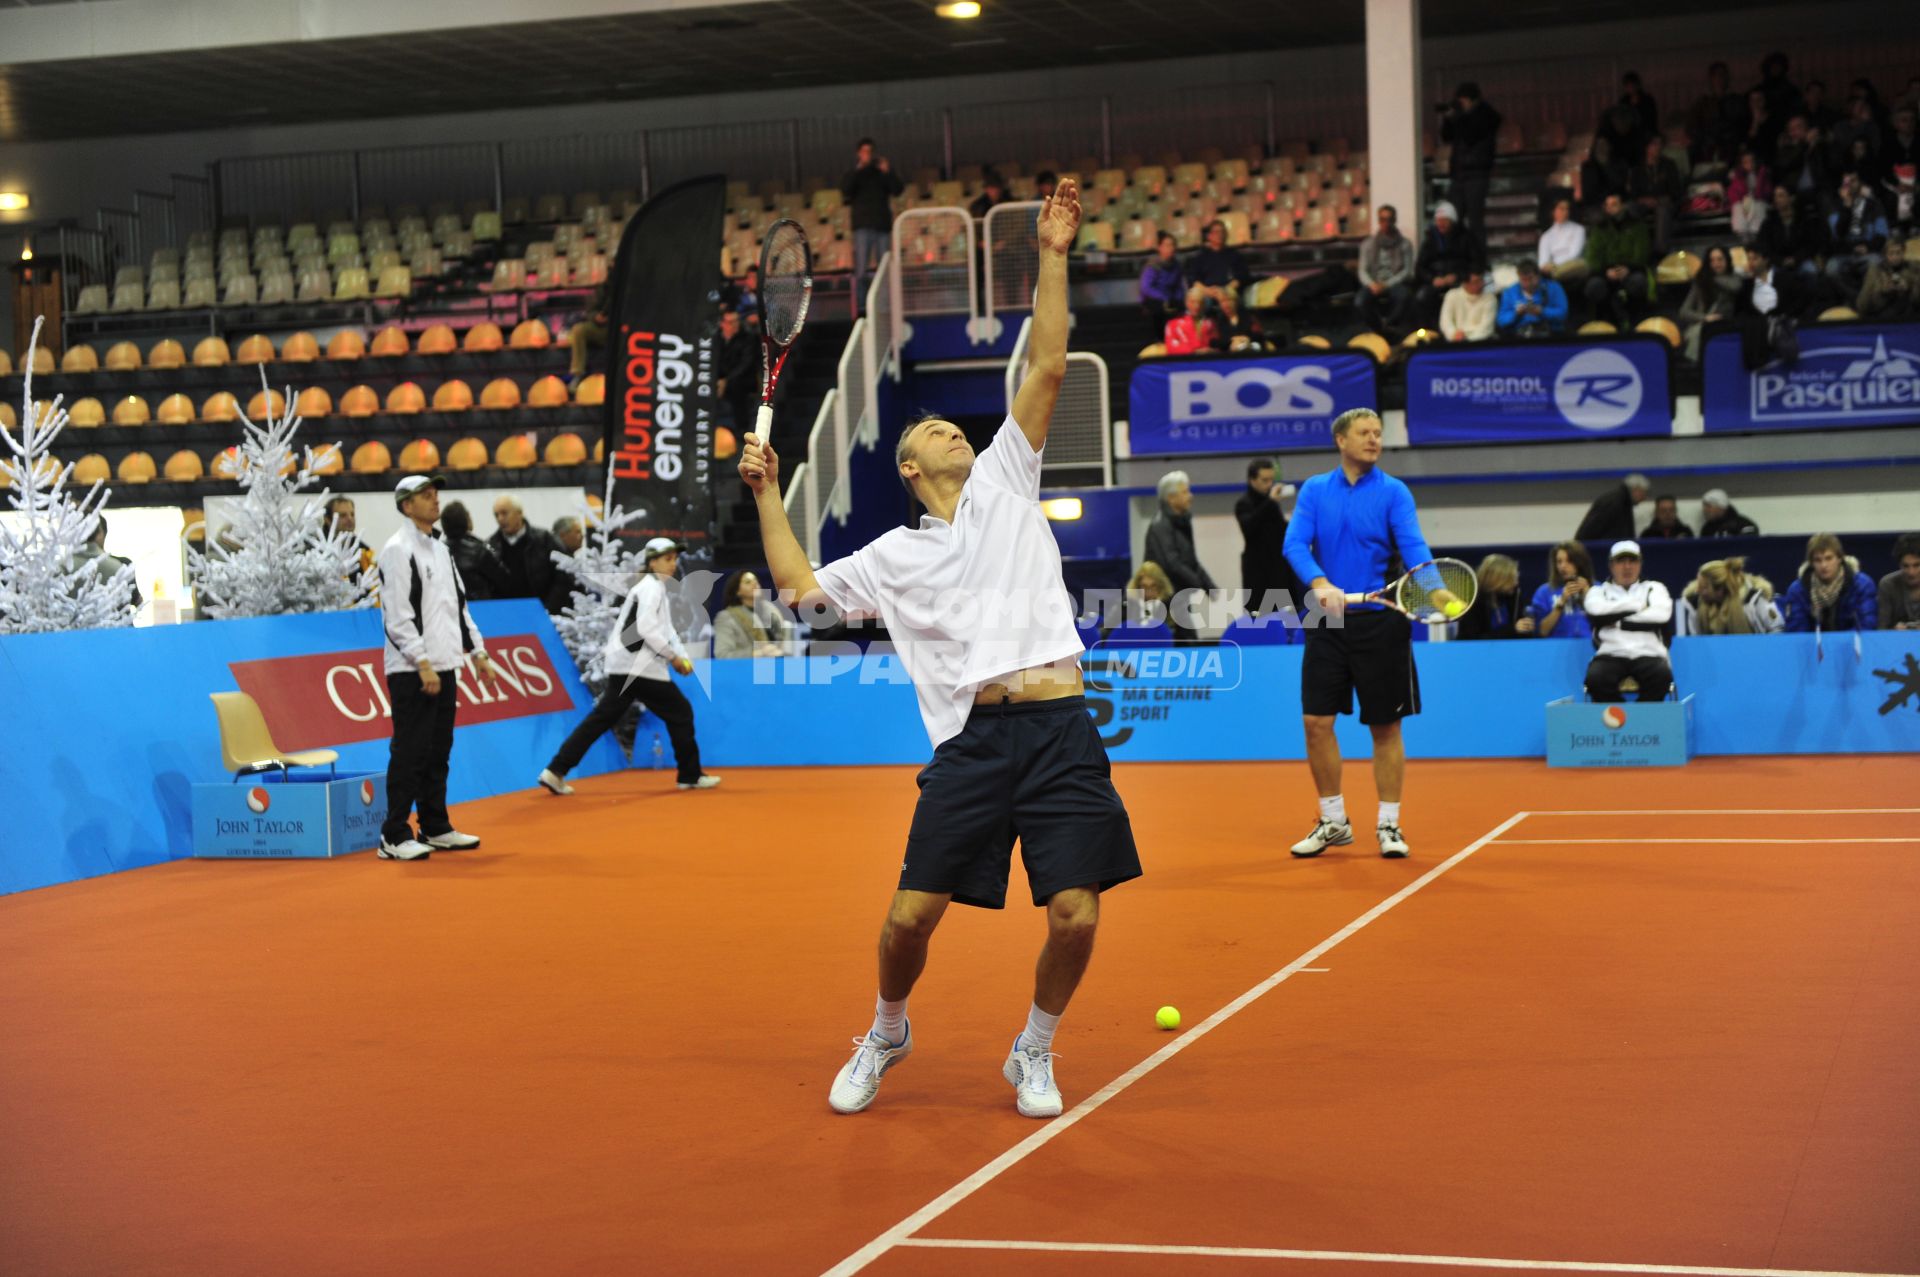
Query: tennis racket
point(786, 286)
point(1435, 592)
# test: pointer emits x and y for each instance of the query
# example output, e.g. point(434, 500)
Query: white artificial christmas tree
point(276, 556)
point(43, 586)
point(604, 570)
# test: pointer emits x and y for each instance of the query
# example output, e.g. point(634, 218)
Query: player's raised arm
point(1047, 343)
point(786, 559)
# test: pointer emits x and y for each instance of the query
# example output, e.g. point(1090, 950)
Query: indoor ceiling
point(783, 43)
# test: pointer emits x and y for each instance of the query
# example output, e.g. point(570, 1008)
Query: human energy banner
point(1182, 407)
point(1539, 391)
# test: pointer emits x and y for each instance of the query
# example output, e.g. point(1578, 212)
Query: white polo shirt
point(971, 601)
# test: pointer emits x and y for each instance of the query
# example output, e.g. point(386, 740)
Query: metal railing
point(1012, 244)
point(804, 500)
point(932, 267)
point(1081, 434)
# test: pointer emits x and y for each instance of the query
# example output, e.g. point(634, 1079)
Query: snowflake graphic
point(1906, 686)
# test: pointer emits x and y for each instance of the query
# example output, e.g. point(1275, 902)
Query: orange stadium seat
point(515, 452)
point(167, 354)
point(531, 334)
point(220, 406)
point(132, 411)
point(566, 449)
point(6, 364)
point(137, 467)
point(724, 444)
point(257, 349)
point(226, 464)
point(90, 469)
point(591, 390)
point(548, 392)
point(123, 356)
point(264, 404)
point(372, 457)
point(87, 413)
point(211, 352)
point(360, 401)
point(184, 466)
point(482, 339)
point(346, 344)
point(389, 343)
point(42, 361)
point(79, 359)
point(452, 396)
point(175, 410)
point(467, 454)
point(406, 398)
point(599, 458)
point(314, 401)
point(419, 457)
point(1596, 328)
point(327, 459)
point(501, 392)
point(436, 340)
point(1660, 326)
point(1374, 344)
point(301, 348)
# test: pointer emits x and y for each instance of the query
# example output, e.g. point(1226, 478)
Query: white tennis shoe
point(1327, 833)
point(707, 781)
point(859, 1078)
point(1393, 843)
point(405, 849)
point(554, 784)
point(452, 840)
point(1030, 1070)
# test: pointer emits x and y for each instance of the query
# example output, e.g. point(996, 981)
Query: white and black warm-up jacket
point(424, 605)
point(643, 643)
point(1627, 620)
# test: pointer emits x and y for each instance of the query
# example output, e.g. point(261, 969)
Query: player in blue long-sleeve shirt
point(1352, 527)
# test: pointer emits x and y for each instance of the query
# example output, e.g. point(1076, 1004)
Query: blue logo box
point(1635, 734)
point(303, 817)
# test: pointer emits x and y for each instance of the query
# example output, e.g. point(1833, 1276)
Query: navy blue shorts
point(1028, 770)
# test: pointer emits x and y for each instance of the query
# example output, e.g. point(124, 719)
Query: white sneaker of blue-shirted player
point(859, 1078)
point(1030, 1069)
point(406, 849)
point(452, 840)
point(1327, 833)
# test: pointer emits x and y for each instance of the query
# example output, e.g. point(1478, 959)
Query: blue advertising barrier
point(1539, 390)
point(109, 730)
point(1847, 375)
point(1181, 406)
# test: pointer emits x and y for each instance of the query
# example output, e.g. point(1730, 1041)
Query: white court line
point(1733, 811)
point(1636, 840)
point(1061, 1125)
point(1373, 1257)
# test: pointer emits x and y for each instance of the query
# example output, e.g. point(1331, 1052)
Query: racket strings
point(786, 283)
point(1450, 576)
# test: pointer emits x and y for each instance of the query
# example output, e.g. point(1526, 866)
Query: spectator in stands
point(1749, 194)
point(1762, 127)
point(1783, 99)
point(868, 189)
point(1170, 544)
point(1633, 94)
point(1899, 603)
point(94, 555)
point(1620, 255)
point(1625, 134)
point(1715, 122)
point(1831, 592)
point(1858, 226)
point(1656, 187)
point(1601, 174)
point(1216, 265)
point(1235, 329)
point(748, 624)
point(1628, 615)
point(737, 371)
point(1532, 307)
point(1820, 113)
point(1719, 517)
point(1859, 126)
point(743, 297)
point(993, 190)
point(1044, 183)
point(1469, 311)
point(1163, 289)
point(1771, 301)
point(1563, 246)
point(1386, 274)
point(569, 533)
point(1612, 510)
point(1446, 255)
point(1150, 599)
point(1891, 289)
point(527, 552)
point(1900, 170)
point(1723, 599)
point(1558, 609)
point(1862, 162)
point(480, 568)
point(1794, 238)
point(1191, 332)
point(1472, 128)
point(1265, 574)
point(343, 521)
point(1712, 298)
point(589, 332)
point(1800, 161)
point(1666, 525)
point(1496, 611)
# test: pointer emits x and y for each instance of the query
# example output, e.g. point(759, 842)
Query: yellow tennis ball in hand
point(1454, 608)
point(1167, 1018)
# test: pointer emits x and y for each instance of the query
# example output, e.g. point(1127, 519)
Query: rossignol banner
point(661, 340)
point(1179, 406)
point(1847, 375)
point(1558, 390)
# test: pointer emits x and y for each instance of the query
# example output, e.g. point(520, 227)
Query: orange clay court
point(1650, 1021)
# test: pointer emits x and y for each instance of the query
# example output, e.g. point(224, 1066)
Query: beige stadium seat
point(128, 298)
point(554, 273)
point(1096, 237)
point(515, 210)
point(6, 364)
point(316, 285)
point(1677, 267)
point(164, 294)
point(246, 745)
point(276, 288)
point(80, 359)
point(550, 208)
point(509, 275)
point(395, 281)
point(203, 294)
point(382, 260)
point(91, 301)
point(486, 226)
point(352, 285)
point(1315, 341)
point(129, 275)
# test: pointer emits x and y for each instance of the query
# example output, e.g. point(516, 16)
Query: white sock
point(1334, 809)
point(1389, 813)
point(1039, 1030)
point(890, 1020)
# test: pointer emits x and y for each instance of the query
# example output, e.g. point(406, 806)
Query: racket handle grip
point(1358, 598)
point(763, 422)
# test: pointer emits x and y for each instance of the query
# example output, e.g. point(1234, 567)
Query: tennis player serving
point(1348, 526)
point(975, 602)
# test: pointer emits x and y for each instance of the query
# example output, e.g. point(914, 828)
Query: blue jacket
point(1857, 608)
point(1573, 621)
point(1350, 532)
point(1553, 300)
point(1163, 282)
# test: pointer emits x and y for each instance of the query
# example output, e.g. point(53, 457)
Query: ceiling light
point(958, 9)
point(26, 250)
point(12, 201)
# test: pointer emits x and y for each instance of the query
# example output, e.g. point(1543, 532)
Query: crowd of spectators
point(1199, 305)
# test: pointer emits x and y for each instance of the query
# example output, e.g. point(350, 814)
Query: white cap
point(659, 546)
point(1446, 210)
point(416, 483)
point(1624, 550)
point(1717, 496)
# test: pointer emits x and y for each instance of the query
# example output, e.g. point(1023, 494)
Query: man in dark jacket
point(1719, 518)
point(527, 553)
point(1216, 265)
point(1447, 256)
point(1610, 517)
point(1170, 544)
point(1471, 128)
point(868, 189)
point(1620, 255)
point(1264, 571)
point(480, 568)
point(738, 369)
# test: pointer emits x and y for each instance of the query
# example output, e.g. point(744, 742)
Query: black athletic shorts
point(1373, 655)
point(1031, 770)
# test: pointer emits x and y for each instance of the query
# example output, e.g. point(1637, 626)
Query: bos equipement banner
point(1181, 407)
point(1847, 375)
point(661, 343)
point(1534, 391)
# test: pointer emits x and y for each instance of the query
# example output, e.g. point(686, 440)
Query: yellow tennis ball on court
point(1167, 1018)
point(1454, 608)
